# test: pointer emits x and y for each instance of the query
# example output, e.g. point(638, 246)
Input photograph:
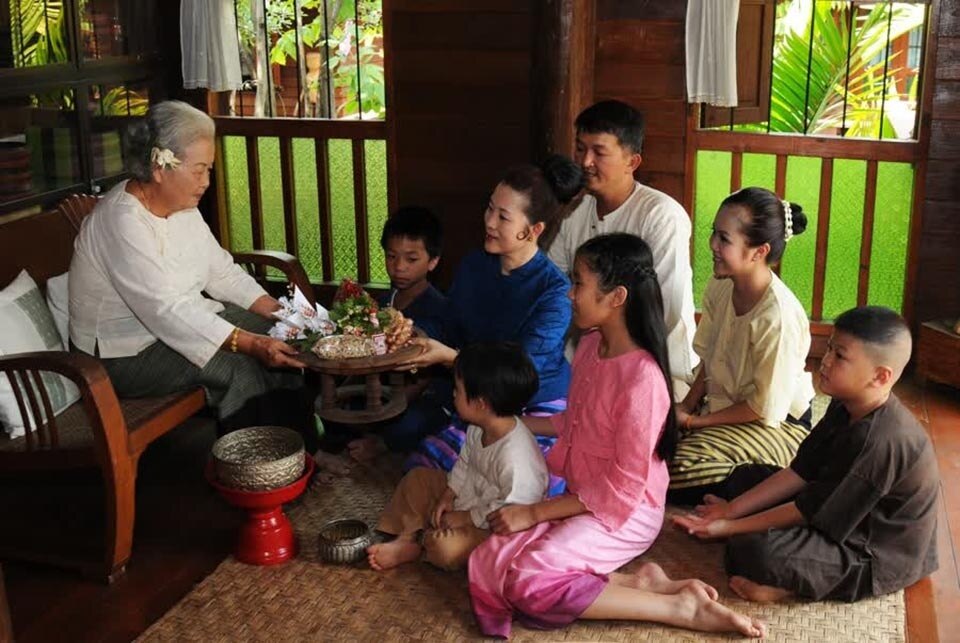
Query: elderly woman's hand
point(431, 352)
point(274, 353)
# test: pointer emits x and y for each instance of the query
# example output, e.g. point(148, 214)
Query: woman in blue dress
point(510, 291)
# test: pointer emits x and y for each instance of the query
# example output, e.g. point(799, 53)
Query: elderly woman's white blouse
point(136, 278)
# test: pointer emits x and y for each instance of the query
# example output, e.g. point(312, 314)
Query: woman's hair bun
point(799, 218)
point(563, 176)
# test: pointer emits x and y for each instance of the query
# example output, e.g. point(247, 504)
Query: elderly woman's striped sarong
point(708, 456)
point(441, 451)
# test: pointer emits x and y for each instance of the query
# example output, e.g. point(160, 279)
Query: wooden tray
point(359, 365)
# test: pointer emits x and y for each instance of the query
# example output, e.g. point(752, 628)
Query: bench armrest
point(286, 263)
point(97, 395)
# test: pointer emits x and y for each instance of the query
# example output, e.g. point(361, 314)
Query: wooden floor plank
point(184, 530)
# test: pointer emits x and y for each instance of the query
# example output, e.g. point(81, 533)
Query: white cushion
point(58, 301)
point(26, 325)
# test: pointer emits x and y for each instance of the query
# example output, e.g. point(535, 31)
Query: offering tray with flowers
point(354, 338)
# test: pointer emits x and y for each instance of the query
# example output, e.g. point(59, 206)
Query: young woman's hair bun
point(799, 218)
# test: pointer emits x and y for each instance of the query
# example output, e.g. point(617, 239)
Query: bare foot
point(366, 449)
point(750, 591)
point(333, 464)
point(700, 613)
point(651, 577)
point(396, 552)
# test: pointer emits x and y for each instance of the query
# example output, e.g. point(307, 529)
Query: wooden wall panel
point(946, 100)
point(460, 107)
point(948, 59)
point(640, 60)
point(675, 10)
point(937, 289)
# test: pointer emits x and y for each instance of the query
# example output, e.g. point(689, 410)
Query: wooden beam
point(325, 217)
point(256, 197)
point(866, 238)
point(220, 200)
point(911, 284)
point(564, 58)
point(360, 211)
point(816, 146)
point(780, 189)
point(736, 171)
point(823, 235)
point(300, 128)
point(288, 189)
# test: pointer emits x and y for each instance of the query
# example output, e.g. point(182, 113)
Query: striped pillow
point(26, 325)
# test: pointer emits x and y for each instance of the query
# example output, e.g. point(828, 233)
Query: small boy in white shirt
point(443, 517)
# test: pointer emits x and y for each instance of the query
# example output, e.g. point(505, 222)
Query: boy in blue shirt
point(411, 246)
point(855, 513)
point(411, 242)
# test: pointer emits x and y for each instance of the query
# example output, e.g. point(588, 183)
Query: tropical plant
point(811, 91)
point(364, 92)
point(120, 101)
point(37, 32)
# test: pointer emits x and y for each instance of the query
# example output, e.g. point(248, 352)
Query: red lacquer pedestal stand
point(266, 538)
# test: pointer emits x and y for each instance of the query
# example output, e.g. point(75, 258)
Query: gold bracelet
point(687, 422)
point(233, 339)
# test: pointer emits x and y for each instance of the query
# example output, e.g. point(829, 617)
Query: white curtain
point(208, 42)
point(712, 52)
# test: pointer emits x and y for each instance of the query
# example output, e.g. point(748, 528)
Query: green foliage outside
point(891, 226)
point(38, 32)
point(870, 88)
point(348, 21)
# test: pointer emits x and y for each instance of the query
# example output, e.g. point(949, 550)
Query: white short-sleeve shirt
point(663, 223)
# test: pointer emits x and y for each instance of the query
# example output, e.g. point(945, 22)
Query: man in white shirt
point(609, 142)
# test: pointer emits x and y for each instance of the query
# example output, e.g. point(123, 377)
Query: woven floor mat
point(306, 599)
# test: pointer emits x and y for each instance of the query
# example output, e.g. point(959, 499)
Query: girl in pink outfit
point(554, 561)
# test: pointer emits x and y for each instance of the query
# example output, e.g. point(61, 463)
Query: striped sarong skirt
point(709, 455)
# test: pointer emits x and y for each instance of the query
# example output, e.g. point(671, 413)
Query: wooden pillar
point(6, 624)
point(562, 72)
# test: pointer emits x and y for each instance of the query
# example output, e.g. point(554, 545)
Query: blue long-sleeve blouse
point(528, 306)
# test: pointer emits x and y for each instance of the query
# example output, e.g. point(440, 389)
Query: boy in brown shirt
point(855, 513)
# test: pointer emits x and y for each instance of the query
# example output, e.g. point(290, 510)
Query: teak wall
point(460, 105)
point(639, 59)
point(938, 257)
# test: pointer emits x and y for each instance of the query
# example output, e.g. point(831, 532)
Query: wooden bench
point(99, 430)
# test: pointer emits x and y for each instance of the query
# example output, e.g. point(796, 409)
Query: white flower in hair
point(164, 159)
point(787, 221)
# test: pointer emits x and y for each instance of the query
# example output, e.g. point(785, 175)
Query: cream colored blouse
point(758, 357)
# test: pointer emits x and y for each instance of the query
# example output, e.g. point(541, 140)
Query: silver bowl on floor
point(344, 541)
point(260, 458)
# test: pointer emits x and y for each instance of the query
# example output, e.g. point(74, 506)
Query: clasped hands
point(503, 521)
point(709, 520)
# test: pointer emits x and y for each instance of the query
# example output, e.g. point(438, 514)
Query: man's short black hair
point(414, 222)
point(499, 373)
point(613, 117)
point(873, 324)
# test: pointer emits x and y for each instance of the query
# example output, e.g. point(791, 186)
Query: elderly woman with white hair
point(142, 261)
